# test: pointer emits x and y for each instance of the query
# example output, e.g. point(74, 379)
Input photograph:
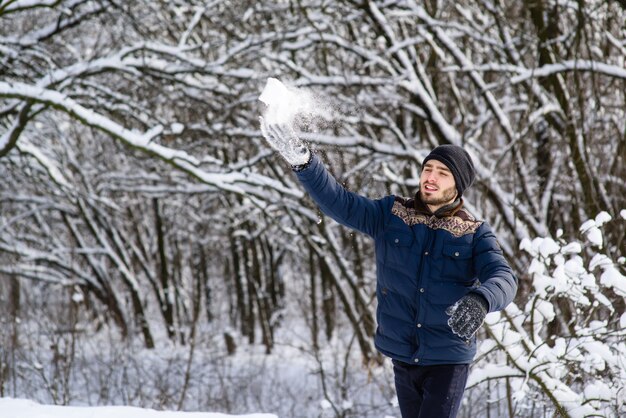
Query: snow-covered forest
point(155, 252)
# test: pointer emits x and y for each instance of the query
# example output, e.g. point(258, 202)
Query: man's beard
point(447, 196)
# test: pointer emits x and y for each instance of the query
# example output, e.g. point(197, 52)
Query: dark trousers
point(430, 391)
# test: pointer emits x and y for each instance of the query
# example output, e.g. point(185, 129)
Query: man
point(439, 270)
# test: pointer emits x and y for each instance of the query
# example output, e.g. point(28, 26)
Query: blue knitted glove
point(467, 315)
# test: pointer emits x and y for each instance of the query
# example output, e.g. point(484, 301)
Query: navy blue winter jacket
point(424, 263)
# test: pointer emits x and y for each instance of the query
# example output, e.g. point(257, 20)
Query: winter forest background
point(155, 252)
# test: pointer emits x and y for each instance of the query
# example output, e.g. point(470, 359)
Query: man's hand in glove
point(284, 139)
point(467, 315)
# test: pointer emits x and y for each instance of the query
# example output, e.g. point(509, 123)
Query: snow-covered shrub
point(564, 352)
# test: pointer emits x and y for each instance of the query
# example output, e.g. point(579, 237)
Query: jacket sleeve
point(498, 284)
point(347, 208)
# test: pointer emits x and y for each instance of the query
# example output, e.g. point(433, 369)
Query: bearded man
point(439, 270)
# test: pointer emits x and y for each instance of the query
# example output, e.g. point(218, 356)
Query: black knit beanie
point(458, 161)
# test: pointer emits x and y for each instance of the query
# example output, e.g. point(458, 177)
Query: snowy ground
point(21, 408)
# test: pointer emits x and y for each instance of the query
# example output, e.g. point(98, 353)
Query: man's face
point(437, 187)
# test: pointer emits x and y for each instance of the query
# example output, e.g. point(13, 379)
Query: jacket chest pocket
point(398, 247)
point(457, 263)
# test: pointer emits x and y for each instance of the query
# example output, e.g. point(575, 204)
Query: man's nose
point(431, 177)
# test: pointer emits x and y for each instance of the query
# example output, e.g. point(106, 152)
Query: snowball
point(622, 213)
point(284, 104)
point(275, 93)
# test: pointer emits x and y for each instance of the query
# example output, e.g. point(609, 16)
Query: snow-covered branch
point(539, 352)
point(596, 67)
point(252, 184)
